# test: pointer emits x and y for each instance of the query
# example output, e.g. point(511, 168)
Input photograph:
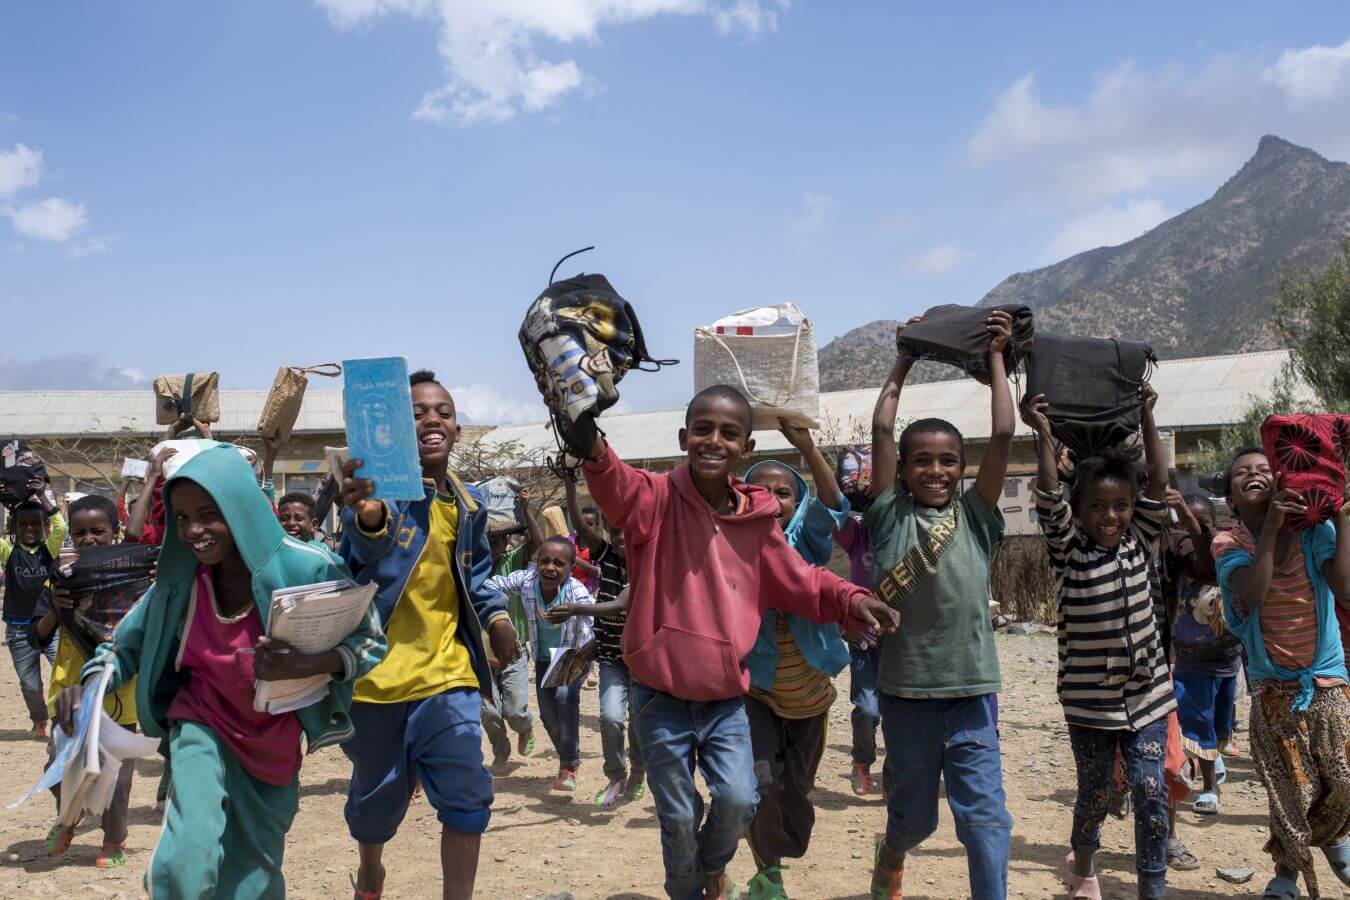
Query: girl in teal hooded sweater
point(196, 640)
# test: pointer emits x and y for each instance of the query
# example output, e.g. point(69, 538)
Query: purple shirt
point(853, 539)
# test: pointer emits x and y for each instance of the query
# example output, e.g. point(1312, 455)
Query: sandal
point(1281, 888)
point(365, 895)
point(114, 858)
point(1338, 857)
point(1207, 804)
point(1180, 858)
point(1081, 887)
point(1220, 770)
point(59, 839)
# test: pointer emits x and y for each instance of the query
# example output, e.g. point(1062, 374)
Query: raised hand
point(1033, 411)
point(999, 325)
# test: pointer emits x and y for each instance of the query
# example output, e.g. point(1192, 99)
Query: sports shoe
point(767, 885)
point(636, 788)
point(566, 780)
point(719, 887)
point(610, 795)
point(525, 743)
point(862, 779)
point(40, 730)
point(888, 870)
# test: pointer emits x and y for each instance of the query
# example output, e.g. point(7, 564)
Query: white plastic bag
point(767, 353)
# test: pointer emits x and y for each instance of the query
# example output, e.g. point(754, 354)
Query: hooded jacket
point(149, 639)
point(389, 556)
point(811, 533)
point(700, 581)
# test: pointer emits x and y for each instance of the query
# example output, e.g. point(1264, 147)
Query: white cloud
point(1107, 226)
point(489, 48)
point(811, 217)
point(91, 246)
point(67, 371)
point(940, 258)
point(1312, 73)
point(1140, 130)
point(19, 168)
point(52, 219)
point(485, 405)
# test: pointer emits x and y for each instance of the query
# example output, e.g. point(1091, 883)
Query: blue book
point(377, 405)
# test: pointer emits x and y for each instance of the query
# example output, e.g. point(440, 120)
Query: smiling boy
point(706, 558)
point(417, 715)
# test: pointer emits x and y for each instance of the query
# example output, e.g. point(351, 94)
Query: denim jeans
point(615, 718)
point(954, 740)
point(862, 691)
point(513, 705)
point(29, 668)
point(675, 734)
point(560, 711)
point(1094, 753)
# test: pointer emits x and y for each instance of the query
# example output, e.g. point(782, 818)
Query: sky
point(238, 186)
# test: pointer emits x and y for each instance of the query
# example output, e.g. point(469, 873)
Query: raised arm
point(589, 536)
point(140, 510)
point(994, 466)
point(1252, 582)
point(821, 473)
point(1153, 449)
point(884, 452)
point(1047, 465)
point(1337, 569)
point(534, 538)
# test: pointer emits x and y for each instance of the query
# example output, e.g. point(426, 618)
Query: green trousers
point(224, 831)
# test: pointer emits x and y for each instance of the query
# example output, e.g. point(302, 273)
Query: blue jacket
point(811, 534)
point(1319, 545)
point(148, 641)
point(389, 556)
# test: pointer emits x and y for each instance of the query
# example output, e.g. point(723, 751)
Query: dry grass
point(1022, 580)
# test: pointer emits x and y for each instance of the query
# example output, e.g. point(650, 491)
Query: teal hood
point(147, 640)
point(810, 532)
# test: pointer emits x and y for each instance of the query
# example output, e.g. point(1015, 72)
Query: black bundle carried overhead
point(580, 338)
point(959, 336)
point(1092, 388)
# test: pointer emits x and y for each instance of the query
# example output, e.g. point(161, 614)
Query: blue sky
point(239, 185)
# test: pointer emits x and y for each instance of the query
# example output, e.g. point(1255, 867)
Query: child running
point(542, 587)
point(93, 523)
point(1279, 589)
point(706, 558)
point(39, 532)
point(939, 672)
point(418, 714)
point(791, 666)
point(195, 644)
point(1114, 681)
point(853, 474)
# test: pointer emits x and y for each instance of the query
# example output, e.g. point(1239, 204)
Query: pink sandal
point(1081, 887)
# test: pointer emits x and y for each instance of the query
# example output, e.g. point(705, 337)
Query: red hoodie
point(699, 581)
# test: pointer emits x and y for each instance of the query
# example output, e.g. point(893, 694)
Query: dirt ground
point(541, 844)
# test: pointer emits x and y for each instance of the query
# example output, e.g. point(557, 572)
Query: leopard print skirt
point(1303, 759)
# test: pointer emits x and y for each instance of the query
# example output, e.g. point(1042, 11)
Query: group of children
point(718, 631)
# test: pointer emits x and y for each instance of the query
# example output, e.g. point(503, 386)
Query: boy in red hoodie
point(706, 558)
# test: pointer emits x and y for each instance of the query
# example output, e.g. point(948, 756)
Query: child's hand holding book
point(275, 660)
point(356, 494)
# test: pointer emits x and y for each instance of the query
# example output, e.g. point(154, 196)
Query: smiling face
point(783, 486)
point(1250, 483)
point(716, 437)
point(437, 427)
point(200, 523)
point(932, 467)
point(30, 526)
point(1105, 510)
point(556, 558)
point(617, 542)
point(91, 528)
point(296, 521)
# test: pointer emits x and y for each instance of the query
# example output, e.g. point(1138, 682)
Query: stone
point(1235, 876)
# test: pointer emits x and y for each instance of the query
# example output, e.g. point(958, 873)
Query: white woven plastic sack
point(767, 353)
point(499, 498)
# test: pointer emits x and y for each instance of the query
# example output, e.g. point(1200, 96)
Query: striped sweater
point(1113, 671)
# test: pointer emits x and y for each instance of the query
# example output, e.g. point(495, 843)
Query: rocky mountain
point(1198, 284)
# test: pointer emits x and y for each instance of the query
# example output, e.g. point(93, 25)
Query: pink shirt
point(219, 691)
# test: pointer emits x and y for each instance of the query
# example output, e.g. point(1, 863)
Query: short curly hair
point(1113, 464)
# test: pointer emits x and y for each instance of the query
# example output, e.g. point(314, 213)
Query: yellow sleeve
point(6, 548)
point(57, 538)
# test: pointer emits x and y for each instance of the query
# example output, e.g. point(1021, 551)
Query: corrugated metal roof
point(1202, 392)
point(71, 413)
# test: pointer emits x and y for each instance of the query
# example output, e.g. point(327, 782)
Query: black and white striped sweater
point(1113, 671)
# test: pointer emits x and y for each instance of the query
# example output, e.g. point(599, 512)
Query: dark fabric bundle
point(1307, 454)
point(1092, 387)
point(105, 583)
point(14, 483)
point(580, 338)
point(959, 336)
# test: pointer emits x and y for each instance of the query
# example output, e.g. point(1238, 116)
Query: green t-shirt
point(944, 648)
point(511, 561)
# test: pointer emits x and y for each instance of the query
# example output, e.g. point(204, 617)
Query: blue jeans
point(28, 667)
point(866, 715)
point(615, 718)
point(954, 740)
point(1094, 754)
point(512, 690)
point(560, 711)
point(675, 734)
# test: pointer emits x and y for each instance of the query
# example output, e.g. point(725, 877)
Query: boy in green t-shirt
point(939, 670)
